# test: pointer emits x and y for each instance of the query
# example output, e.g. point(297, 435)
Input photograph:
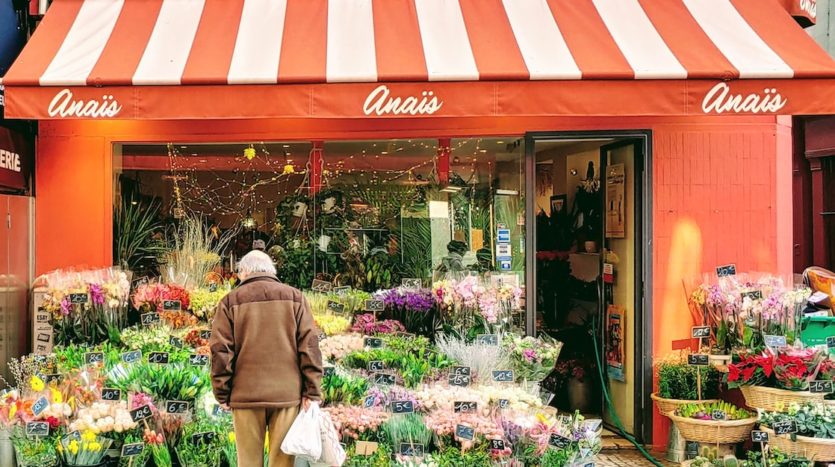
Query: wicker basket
point(815, 449)
point(666, 406)
point(714, 431)
point(776, 400)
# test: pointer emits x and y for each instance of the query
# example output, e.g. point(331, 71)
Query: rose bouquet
point(471, 302)
point(358, 423)
point(337, 347)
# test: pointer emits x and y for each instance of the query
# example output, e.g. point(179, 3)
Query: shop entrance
point(588, 234)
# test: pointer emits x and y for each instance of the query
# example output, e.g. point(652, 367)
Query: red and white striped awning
point(678, 50)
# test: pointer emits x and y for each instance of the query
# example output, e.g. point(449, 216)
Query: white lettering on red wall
point(64, 105)
point(721, 99)
point(810, 7)
point(381, 102)
point(9, 160)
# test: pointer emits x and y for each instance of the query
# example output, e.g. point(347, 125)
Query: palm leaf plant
point(134, 225)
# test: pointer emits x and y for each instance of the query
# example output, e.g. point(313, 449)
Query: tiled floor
point(627, 458)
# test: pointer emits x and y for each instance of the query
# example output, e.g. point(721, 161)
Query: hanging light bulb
point(249, 153)
point(288, 169)
point(248, 222)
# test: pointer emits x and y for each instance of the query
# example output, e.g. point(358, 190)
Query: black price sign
point(78, 298)
point(39, 406)
point(698, 359)
point(321, 286)
point(384, 379)
point(37, 429)
point(558, 441)
point(699, 332)
point(336, 307)
point(149, 318)
point(206, 437)
point(753, 295)
point(411, 450)
point(342, 291)
point(176, 407)
point(158, 357)
point(329, 370)
point(376, 365)
point(503, 403)
point(411, 283)
point(461, 370)
point(373, 342)
point(400, 407)
point(718, 415)
point(465, 432)
point(218, 411)
point(133, 449)
point(141, 413)
point(775, 342)
point(459, 380)
point(464, 407)
point(198, 360)
point(487, 339)
point(819, 387)
point(132, 356)
point(51, 377)
point(171, 305)
point(74, 435)
point(759, 436)
point(175, 342)
point(92, 358)
point(496, 444)
point(785, 428)
point(206, 334)
point(726, 270)
point(503, 376)
point(369, 402)
point(375, 306)
point(110, 394)
point(830, 342)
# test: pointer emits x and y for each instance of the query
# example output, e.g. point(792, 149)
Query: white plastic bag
point(304, 439)
point(332, 453)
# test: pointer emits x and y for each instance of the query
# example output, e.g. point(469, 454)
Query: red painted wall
point(721, 189)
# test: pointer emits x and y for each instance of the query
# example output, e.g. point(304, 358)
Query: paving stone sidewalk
point(628, 458)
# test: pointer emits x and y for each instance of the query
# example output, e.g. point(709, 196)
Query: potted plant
point(773, 380)
point(815, 431)
point(678, 383)
point(34, 451)
point(713, 422)
point(579, 377)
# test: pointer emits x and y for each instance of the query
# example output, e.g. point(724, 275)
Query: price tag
point(369, 402)
point(206, 437)
point(342, 291)
point(78, 298)
point(759, 436)
point(503, 376)
point(487, 339)
point(218, 411)
point(820, 387)
point(149, 318)
point(329, 370)
point(718, 415)
point(48, 378)
point(158, 357)
point(376, 365)
point(461, 370)
point(698, 359)
point(464, 407)
point(336, 307)
point(175, 342)
point(401, 407)
point(375, 306)
point(37, 429)
point(141, 413)
point(465, 432)
point(496, 444)
point(176, 407)
point(558, 441)
point(785, 428)
point(775, 342)
point(321, 286)
point(39, 406)
point(132, 356)
point(411, 283)
point(171, 305)
point(132, 449)
point(110, 394)
point(92, 358)
point(726, 270)
point(753, 295)
point(503, 403)
point(206, 334)
point(699, 332)
point(373, 342)
point(411, 450)
point(198, 360)
point(459, 380)
point(830, 342)
point(384, 379)
point(74, 435)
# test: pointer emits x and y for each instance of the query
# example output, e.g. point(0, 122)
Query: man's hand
point(225, 407)
point(305, 403)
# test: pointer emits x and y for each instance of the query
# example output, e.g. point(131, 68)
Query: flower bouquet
point(772, 381)
point(337, 347)
point(86, 449)
point(471, 302)
point(152, 296)
point(413, 308)
point(199, 445)
point(367, 325)
point(34, 451)
point(532, 358)
point(203, 301)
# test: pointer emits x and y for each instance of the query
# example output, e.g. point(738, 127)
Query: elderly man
point(265, 359)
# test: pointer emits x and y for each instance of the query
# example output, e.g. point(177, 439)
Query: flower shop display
point(414, 308)
point(775, 458)
point(367, 324)
point(470, 301)
point(85, 449)
point(713, 422)
point(678, 385)
point(532, 358)
point(806, 430)
point(774, 379)
point(337, 347)
point(204, 300)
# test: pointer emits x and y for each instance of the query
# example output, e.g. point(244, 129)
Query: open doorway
point(589, 231)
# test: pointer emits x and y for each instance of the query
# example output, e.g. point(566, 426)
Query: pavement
point(618, 452)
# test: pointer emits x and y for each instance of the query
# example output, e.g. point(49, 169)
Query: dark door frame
point(643, 256)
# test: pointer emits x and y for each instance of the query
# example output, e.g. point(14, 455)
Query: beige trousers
point(251, 426)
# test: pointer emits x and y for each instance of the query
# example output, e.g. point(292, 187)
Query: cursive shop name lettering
point(720, 99)
point(809, 6)
point(380, 102)
point(64, 105)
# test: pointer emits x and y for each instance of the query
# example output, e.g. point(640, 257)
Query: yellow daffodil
point(73, 447)
point(56, 396)
point(37, 384)
point(231, 437)
point(95, 446)
point(88, 436)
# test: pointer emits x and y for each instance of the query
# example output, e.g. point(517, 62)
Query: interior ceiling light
point(450, 189)
point(249, 153)
point(248, 222)
point(288, 169)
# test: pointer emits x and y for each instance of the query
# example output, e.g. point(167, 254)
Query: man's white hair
point(256, 261)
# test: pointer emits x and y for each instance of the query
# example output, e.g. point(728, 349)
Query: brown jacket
point(265, 347)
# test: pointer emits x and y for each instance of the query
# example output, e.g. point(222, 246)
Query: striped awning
point(677, 51)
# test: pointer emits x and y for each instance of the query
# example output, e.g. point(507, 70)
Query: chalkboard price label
point(132, 449)
point(175, 342)
point(336, 307)
point(375, 306)
point(149, 318)
point(503, 403)
point(726, 270)
point(753, 295)
point(78, 298)
point(342, 291)
point(465, 432)
point(376, 365)
point(373, 342)
point(464, 406)
point(830, 342)
point(718, 415)
point(411, 450)
point(785, 428)
point(206, 437)
point(110, 394)
point(775, 342)
point(487, 339)
point(329, 370)
point(141, 413)
point(132, 357)
point(822, 386)
point(461, 370)
point(503, 376)
point(171, 305)
point(321, 286)
point(459, 380)
point(39, 406)
point(93, 358)
point(158, 357)
point(384, 379)
point(198, 359)
point(37, 429)
point(496, 444)
point(369, 402)
point(206, 334)
point(699, 332)
point(698, 359)
point(410, 283)
point(48, 378)
point(176, 407)
point(558, 441)
point(759, 436)
point(402, 407)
